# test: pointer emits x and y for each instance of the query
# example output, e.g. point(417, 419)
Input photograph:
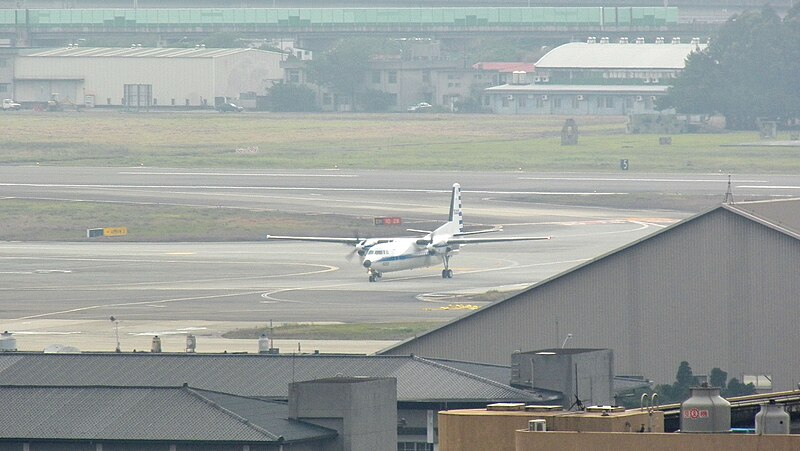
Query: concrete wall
point(602, 441)
point(363, 411)
point(480, 429)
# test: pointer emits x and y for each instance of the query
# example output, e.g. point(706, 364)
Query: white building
point(596, 78)
point(143, 77)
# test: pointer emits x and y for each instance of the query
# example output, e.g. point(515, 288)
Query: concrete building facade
point(142, 77)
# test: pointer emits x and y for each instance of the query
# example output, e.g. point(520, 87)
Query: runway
point(66, 292)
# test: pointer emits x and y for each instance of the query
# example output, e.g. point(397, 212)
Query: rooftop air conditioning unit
point(646, 80)
point(510, 97)
point(653, 98)
point(544, 96)
point(537, 79)
point(579, 96)
point(545, 78)
point(639, 98)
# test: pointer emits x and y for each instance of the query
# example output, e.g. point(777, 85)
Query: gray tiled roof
point(264, 376)
point(145, 414)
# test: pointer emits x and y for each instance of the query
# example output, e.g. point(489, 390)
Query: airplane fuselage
point(401, 254)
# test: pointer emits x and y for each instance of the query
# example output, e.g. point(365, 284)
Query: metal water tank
point(772, 419)
point(263, 344)
point(7, 342)
point(705, 411)
point(156, 346)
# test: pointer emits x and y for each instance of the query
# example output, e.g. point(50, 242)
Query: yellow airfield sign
point(115, 231)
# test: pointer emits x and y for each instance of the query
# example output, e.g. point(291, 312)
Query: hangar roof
point(137, 52)
point(782, 212)
point(146, 414)
point(581, 55)
point(263, 376)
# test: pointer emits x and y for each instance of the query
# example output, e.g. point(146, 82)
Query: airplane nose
point(367, 263)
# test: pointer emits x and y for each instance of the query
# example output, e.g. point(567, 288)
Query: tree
point(736, 388)
point(748, 71)
point(343, 68)
point(291, 97)
point(376, 101)
point(717, 378)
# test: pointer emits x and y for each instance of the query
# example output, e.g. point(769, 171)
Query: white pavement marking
point(237, 174)
point(623, 179)
point(768, 186)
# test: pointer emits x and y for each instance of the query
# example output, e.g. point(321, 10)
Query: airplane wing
point(495, 240)
point(321, 239)
point(475, 232)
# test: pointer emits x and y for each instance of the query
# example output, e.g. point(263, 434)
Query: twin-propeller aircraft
point(380, 255)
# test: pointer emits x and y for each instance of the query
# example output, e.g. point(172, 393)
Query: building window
point(628, 102)
point(4, 87)
point(505, 101)
point(453, 77)
point(3, 62)
point(376, 77)
point(426, 76)
point(293, 75)
point(600, 102)
point(392, 76)
point(172, 102)
point(521, 102)
point(414, 446)
point(327, 99)
point(556, 102)
point(539, 102)
point(609, 102)
point(575, 103)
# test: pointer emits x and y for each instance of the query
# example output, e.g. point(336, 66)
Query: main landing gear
point(447, 273)
point(374, 276)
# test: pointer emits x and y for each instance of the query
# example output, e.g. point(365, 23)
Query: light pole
point(116, 332)
point(566, 340)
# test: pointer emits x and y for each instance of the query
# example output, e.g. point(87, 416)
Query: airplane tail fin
point(456, 218)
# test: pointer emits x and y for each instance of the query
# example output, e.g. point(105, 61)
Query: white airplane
point(381, 255)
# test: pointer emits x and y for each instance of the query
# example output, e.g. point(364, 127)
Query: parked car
point(9, 105)
point(420, 107)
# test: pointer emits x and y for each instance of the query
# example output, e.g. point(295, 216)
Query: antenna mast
point(729, 193)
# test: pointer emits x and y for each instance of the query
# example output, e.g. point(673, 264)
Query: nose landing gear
point(447, 274)
point(374, 276)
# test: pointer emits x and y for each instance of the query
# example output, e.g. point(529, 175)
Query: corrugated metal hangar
point(720, 289)
point(143, 76)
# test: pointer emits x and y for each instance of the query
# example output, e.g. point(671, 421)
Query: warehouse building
point(140, 77)
point(596, 78)
point(422, 387)
point(719, 289)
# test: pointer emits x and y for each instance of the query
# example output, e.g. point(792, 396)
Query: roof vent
point(604, 40)
point(676, 40)
point(623, 40)
point(640, 40)
point(534, 408)
point(695, 41)
point(506, 407)
point(660, 40)
point(591, 40)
